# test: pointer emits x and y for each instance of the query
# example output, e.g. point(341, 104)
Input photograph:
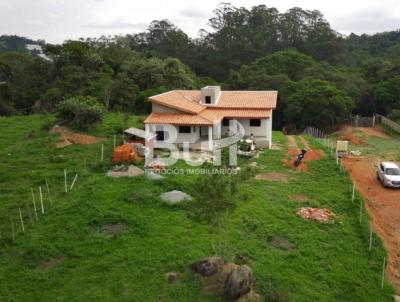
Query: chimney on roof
point(210, 95)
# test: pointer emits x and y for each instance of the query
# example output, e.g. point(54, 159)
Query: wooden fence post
point(353, 193)
point(41, 199)
point(65, 181)
point(48, 191)
point(102, 152)
point(22, 221)
point(383, 271)
point(34, 204)
point(73, 182)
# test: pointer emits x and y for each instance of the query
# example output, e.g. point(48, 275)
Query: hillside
point(69, 251)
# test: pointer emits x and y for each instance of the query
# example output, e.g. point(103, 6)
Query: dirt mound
point(376, 131)
point(68, 137)
point(383, 206)
point(346, 133)
point(352, 139)
point(298, 198)
point(321, 215)
point(310, 156)
point(274, 176)
point(114, 228)
point(50, 263)
point(281, 243)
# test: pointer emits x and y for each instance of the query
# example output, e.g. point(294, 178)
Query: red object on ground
point(125, 154)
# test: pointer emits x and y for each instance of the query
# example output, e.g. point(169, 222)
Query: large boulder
point(208, 267)
point(239, 282)
point(175, 196)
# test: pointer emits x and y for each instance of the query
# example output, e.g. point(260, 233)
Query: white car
point(389, 174)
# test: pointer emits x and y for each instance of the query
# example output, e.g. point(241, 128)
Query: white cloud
point(57, 20)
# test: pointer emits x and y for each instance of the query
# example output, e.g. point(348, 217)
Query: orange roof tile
point(176, 119)
point(246, 113)
point(189, 100)
point(178, 100)
point(248, 99)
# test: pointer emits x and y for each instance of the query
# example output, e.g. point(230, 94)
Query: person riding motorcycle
point(300, 157)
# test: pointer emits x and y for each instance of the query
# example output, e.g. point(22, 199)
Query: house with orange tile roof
point(207, 114)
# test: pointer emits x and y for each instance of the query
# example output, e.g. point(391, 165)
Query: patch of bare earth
point(68, 137)
point(293, 151)
point(50, 263)
point(376, 131)
point(298, 198)
point(274, 176)
point(347, 133)
point(114, 228)
point(383, 205)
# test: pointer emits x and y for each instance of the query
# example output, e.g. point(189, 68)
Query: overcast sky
point(57, 20)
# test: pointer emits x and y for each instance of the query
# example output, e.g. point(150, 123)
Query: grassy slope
point(329, 263)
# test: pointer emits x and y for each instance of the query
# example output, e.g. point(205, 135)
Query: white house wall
point(191, 137)
point(163, 109)
point(257, 131)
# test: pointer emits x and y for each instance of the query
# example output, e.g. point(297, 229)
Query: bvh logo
point(215, 145)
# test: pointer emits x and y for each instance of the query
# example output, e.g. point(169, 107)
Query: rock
point(175, 196)
point(239, 282)
point(396, 298)
point(132, 171)
point(171, 277)
point(154, 176)
point(208, 267)
point(253, 164)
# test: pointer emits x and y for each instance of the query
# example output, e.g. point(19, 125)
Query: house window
point(160, 135)
point(208, 100)
point(255, 123)
point(225, 122)
point(184, 129)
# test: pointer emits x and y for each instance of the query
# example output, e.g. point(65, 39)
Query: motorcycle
point(300, 157)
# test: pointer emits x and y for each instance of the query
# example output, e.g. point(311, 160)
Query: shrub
point(80, 112)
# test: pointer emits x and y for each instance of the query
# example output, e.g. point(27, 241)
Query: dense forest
point(322, 76)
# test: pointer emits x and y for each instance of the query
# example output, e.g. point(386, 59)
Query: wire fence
point(356, 198)
point(36, 201)
point(391, 124)
point(363, 121)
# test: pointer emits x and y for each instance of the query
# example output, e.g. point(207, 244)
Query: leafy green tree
point(317, 103)
point(215, 198)
point(80, 112)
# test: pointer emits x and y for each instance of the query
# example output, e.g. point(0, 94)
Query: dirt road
point(383, 206)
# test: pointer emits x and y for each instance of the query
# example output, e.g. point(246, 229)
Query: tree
point(80, 112)
point(214, 201)
point(317, 103)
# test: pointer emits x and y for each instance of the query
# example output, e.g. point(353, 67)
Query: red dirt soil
point(293, 151)
point(377, 131)
point(383, 205)
point(68, 137)
point(347, 134)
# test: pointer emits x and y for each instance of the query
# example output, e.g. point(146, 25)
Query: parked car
point(389, 174)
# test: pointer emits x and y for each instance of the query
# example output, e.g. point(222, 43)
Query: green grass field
point(327, 262)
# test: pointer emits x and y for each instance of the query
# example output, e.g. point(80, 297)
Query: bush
point(80, 112)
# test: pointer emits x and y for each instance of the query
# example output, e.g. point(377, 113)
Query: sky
point(58, 20)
